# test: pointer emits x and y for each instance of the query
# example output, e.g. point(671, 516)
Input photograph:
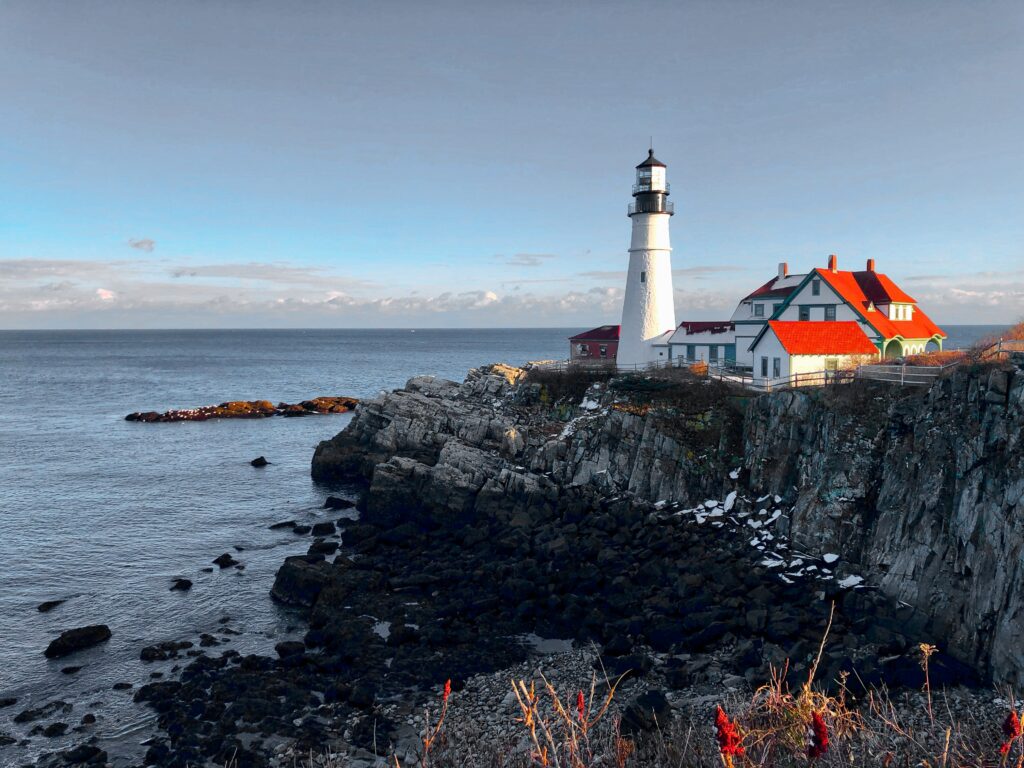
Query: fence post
point(903, 373)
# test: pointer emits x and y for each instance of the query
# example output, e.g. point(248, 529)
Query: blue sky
point(465, 164)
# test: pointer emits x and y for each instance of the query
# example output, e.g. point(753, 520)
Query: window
point(776, 368)
point(764, 367)
point(713, 353)
point(643, 277)
point(816, 287)
point(805, 312)
point(776, 308)
point(604, 351)
point(759, 310)
point(582, 350)
point(690, 354)
point(831, 364)
point(830, 312)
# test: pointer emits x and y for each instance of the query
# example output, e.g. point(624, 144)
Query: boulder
point(85, 754)
point(324, 529)
point(77, 639)
point(336, 502)
point(259, 461)
point(225, 561)
point(300, 580)
point(290, 648)
point(181, 585)
point(49, 605)
point(164, 651)
point(321, 547)
point(647, 712)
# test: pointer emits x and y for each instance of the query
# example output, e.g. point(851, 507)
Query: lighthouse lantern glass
point(657, 179)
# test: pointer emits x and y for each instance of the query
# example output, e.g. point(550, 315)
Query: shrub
point(569, 383)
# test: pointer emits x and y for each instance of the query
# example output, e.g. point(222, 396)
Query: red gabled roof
point(705, 326)
point(767, 291)
point(813, 337)
point(603, 333)
point(863, 290)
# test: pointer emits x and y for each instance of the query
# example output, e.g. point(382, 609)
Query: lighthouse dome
point(651, 161)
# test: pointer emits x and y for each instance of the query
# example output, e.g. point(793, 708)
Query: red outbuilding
point(600, 343)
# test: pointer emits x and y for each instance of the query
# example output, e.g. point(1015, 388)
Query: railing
point(1004, 346)
point(667, 206)
point(638, 188)
point(808, 379)
point(608, 364)
point(904, 375)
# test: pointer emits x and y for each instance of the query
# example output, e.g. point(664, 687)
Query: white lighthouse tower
point(648, 308)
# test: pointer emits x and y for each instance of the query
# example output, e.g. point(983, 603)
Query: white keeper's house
point(825, 319)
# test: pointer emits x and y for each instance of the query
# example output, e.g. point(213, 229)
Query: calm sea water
point(104, 513)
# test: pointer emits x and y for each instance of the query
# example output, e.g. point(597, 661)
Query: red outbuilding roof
point(866, 290)
point(603, 333)
point(805, 337)
point(706, 326)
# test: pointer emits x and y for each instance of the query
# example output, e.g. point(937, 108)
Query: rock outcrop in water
point(77, 639)
point(248, 409)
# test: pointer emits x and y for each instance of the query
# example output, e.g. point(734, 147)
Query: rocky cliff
point(923, 489)
point(914, 491)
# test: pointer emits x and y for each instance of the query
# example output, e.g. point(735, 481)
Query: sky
point(410, 164)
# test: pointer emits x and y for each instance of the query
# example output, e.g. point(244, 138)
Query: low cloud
point(142, 244)
point(62, 293)
point(527, 259)
point(698, 271)
point(278, 273)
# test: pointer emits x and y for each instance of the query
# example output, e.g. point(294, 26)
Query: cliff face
point(918, 490)
point(924, 489)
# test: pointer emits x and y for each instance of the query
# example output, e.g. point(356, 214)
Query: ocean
point(104, 513)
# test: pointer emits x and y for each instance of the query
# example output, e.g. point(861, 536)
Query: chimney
point(783, 270)
point(871, 265)
point(832, 263)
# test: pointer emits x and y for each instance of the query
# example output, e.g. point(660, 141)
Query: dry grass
point(774, 728)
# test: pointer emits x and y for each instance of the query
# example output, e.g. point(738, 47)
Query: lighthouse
point(648, 308)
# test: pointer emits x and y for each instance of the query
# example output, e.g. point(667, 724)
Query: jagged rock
point(163, 651)
point(181, 585)
point(300, 580)
point(47, 710)
point(49, 605)
point(225, 561)
point(259, 461)
point(77, 639)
